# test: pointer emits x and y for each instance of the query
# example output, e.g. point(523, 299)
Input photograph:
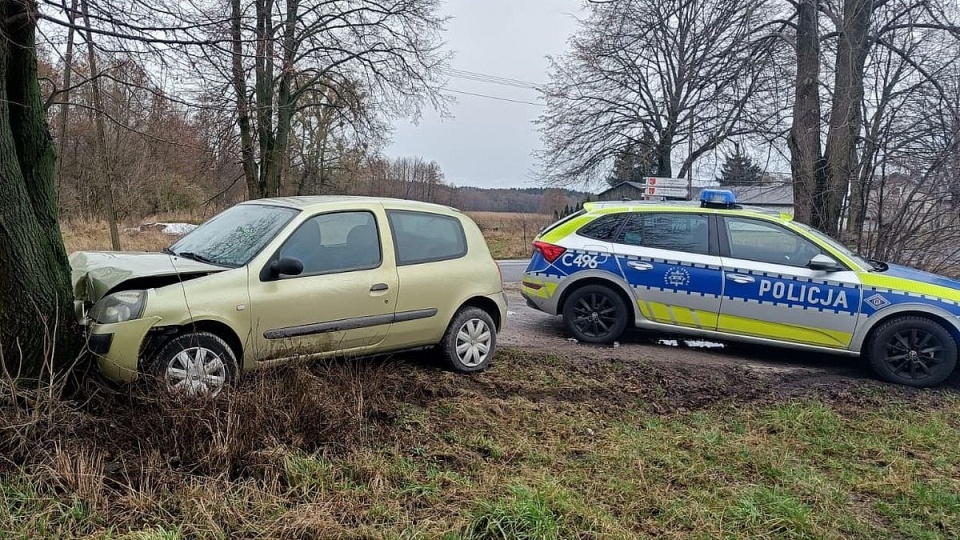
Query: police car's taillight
point(550, 252)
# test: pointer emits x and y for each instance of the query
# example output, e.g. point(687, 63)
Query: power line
point(492, 79)
point(498, 98)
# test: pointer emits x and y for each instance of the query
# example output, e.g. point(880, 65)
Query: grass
point(532, 448)
point(508, 235)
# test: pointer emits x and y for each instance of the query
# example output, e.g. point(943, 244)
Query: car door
point(431, 252)
point(342, 301)
point(771, 293)
point(671, 261)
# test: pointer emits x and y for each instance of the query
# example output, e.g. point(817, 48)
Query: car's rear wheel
point(196, 364)
point(595, 314)
point(913, 351)
point(470, 341)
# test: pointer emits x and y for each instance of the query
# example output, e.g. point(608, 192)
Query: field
point(508, 235)
point(539, 446)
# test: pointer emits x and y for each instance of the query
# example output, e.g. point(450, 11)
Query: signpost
point(666, 187)
point(657, 191)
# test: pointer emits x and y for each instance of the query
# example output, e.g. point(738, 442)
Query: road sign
point(658, 191)
point(666, 182)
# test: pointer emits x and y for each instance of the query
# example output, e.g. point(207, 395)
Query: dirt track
point(690, 377)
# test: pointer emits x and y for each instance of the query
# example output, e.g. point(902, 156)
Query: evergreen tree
point(740, 170)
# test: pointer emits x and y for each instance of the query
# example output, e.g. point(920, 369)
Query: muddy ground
point(664, 375)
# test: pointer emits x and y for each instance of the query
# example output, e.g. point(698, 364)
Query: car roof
point(320, 202)
point(605, 207)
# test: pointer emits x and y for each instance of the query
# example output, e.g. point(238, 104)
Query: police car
point(723, 271)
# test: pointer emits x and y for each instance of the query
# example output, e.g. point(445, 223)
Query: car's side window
point(603, 228)
point(672, 231)
point(421, 237)
point(759, 241)
point(336, 242)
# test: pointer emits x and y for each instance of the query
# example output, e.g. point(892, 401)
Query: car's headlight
point(119, 307)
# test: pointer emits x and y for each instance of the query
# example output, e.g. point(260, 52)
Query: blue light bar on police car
point(720, 198)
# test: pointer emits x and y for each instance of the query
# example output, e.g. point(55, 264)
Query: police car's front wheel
point(595, 314)
point(913, 351)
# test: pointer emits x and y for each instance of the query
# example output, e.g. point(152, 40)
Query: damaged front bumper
point(117, 346)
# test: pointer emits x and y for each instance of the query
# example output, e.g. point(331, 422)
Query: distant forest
point(523, 200)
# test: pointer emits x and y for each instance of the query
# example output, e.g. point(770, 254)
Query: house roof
point(766, 195)
point(636, 185)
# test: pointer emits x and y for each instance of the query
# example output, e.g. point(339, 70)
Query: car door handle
point(637, 265)
point(379, 287)
point(740, 278)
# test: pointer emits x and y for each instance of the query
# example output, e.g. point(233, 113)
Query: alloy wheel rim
point(197, 371)
point(594, 315)
point(474, 340)
point(914, 354)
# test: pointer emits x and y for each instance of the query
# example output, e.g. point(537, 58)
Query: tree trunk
point(243, 106)
point(264, 90)
point(806, 162)
point(273, 167)
point(108, 177)
point(36, 301)
point(65, 97)
point(846, 115)
point(665, 156)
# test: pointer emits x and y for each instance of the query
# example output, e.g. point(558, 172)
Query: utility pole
point(689, 157)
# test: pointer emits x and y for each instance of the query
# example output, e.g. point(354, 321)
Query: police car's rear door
point(671, 261)
point(770, 293)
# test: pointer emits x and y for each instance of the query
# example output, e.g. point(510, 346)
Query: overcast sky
point(488, 142)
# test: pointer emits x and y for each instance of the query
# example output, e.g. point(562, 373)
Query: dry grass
point(399, 449)
point(94, 235)
point(508, 235)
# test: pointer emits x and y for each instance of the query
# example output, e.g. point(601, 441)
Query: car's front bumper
point(117, 346)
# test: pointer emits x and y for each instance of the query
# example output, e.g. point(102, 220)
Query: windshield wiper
point(168, 251)
point(194, 256)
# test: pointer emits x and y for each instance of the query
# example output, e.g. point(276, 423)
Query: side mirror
point(824, 263)
point(286, 266)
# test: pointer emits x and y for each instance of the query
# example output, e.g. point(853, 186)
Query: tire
point(470, 341)
point(913, 351)
point(175, 364)
point(595, 314)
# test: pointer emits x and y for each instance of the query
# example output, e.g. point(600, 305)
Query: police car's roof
point(647, 206)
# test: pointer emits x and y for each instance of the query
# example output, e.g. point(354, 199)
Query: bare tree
point(823, 173)
point(348, 56)
point(36, 315)
point(655, 73)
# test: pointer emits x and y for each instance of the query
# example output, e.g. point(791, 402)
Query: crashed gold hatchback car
point(302, 277)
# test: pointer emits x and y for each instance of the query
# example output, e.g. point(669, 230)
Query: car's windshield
point(837, 246)
point(235, 236)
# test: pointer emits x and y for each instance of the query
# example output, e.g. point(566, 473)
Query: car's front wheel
point(470, 340)
point(196, 364)
point(913, 351)
point(595, 314)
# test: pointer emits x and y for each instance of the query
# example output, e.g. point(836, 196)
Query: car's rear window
point(603, 228)
point(421, 237)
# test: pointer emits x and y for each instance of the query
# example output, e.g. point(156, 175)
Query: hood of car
point(905, 272)
point(95, 273)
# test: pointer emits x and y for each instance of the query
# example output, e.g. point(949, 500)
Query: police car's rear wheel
point(595, 314)
point(913, 351)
